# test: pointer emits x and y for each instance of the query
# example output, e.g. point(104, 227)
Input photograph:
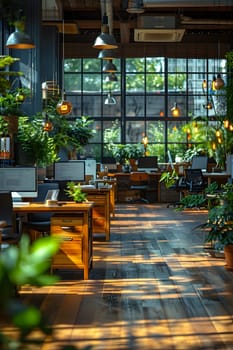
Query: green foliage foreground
point(26, 264)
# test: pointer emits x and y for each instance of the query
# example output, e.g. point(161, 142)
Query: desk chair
point(195, 181)
point(38, 224)
point(10, 225)
point(139, 182)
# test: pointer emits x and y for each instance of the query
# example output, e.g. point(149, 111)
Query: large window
point(145, 91)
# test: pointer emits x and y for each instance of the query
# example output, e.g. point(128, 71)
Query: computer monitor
point(72, 170)
point(200, 162)
point(20, 181)
point(149, 163)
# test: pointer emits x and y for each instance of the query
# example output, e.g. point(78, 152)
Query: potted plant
point(38, 146)
point(220, 223)
point(11, 98)
point(75, 192)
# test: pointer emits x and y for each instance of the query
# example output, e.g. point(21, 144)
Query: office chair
point(10, 226)
point(195, 181)
point(38, 224)
point(139, 182)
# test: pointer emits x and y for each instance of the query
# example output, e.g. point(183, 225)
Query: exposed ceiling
point(83, 18)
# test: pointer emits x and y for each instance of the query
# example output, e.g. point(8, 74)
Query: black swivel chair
point(195, 181)
point(38, 224)
point(10, 226)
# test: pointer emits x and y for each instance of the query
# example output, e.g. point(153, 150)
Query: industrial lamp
point(63, 107)
point(105, 40)
point(19, 39)
point(110, 100)
point(107, 54)
point(175, 110)
point(109, 67)
point(111, 78)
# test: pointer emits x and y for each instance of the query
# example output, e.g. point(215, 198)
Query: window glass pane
point(135, 82)
point(72, 65)
point(91, 65)
point(135, 106)
point(135, 65)
point(112, 110)
point(180, 102)
point(92, 105)
point(155, 106)
point(97, 135)
point(177, 65)
point(92, 82)
point(175, 133)
point(134, 131)
point(155, 64)
point(92, 151)
point(155, 83)
point(111, 131)
point(197, 65)
point(72, 82)
point(155, 131)
point(177, 82)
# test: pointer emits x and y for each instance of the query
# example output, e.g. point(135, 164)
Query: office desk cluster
point(76, 224)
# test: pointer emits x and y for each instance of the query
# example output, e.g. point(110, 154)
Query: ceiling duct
point(158, 29)
point(158, 35)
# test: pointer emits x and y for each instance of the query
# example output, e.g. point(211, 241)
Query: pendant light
point(47, 124)
point(111, 78)
point(105, 40)
point(63, 107)
point(219, 82)
point(110, 100)
point(107, 54)
point(19, 39)
point(175, 110)
point(109, 67)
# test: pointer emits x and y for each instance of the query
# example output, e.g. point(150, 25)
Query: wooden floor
point(153, 286)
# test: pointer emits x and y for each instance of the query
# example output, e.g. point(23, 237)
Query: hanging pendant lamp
point(63, 107)
point(109, 67)
point(107, 54)
point(19, 39)
point(111, 78)
point(110, 100)
point(175, 110)
point(105, 40)
point(47, 124)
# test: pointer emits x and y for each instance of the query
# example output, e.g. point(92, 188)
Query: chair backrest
point(6, 209)
point(43, 189)
point(194, 179)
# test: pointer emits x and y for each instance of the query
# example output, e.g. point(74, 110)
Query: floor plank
point(153, 286)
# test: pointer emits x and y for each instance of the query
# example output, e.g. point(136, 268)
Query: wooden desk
point(220, 178)
point(73, 222)
point(123, 186)
point(113, 184)
point(101, 210)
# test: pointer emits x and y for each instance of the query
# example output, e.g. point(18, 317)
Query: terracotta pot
point(228, 252)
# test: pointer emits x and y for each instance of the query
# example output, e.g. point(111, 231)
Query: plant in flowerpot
point(38, 146)
point(79, 133)
point(219, 224)
point(11, 96)
point(75, 192)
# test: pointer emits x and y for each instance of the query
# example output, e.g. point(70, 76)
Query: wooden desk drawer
point(70, 253)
